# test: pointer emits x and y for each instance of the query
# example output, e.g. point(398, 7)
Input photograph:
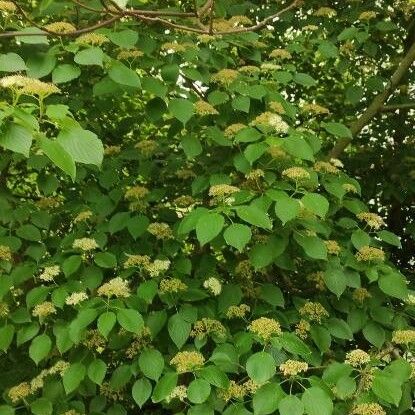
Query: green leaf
point(179, 330)
point(125, 38)
point(260, 367)
point(254, 216)
point(106, 322)
point(321, 338)
point(316, 203)
point(120, 377)
point(304, 79)
point(298, 147)
point(335, 279)
point(41, 406)
point(65, 73)
point(130, 320)
point(254, 151)
point(339, 328)
point(17, 139)
point(11, 62)
point(89, 56)
point(83, 145)
point(394, 285)
point(374, 333)
point(208, 227)
point(390, 238)
point(360, 238)
point(73, 376)
point(105, 260)
point(214, 376)
point(272, 295)
point(6, 410)
point(182, 109)
point(286, 208)
point(313, 246)
point(291, 405)
point(198, 391)
point(237, 235)
point(33, 39)
point(241, 103)
point(191, 146)
point(59, 156)
point(267, 399)
point(123, 75)
point(141, 391)
point(164, 387)
point(151, 363)
point(137, 225)
point(317, 402)
point(6, 337)
point(29, 232)
point(293, 344)
point(337, 129)
point(387, 388)
point(97, 370)
point(40, 347)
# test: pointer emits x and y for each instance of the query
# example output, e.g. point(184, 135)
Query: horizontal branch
point(149, 16)
point(394, 107)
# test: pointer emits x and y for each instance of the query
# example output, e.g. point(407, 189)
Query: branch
point(377, 103)
point(74, 33)
point(394, 107)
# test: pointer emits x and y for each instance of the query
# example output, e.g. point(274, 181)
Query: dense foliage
point(175, 237)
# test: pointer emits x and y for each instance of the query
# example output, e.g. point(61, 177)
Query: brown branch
point(265, 22)
point(376, 105)
point(145, 15)
point(394, 107)
point(75, 33)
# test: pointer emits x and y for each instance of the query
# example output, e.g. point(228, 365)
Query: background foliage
point(175, 234)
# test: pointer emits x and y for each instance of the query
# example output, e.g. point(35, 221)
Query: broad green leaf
point(141, 391)
point(97, 370)
point(304, 79)
point(65, 73)
point(390, 238)
point(130, 320)
point(6, 337)
point(59, 156)
point(394, 285)
point(208, 227)
point(179, 330)
point(214, 376)
point(374, 333)
point(313, 246)
point(151, 363)
point(11, 62)
point(337, 129)
point(335, 279)
point(164, 387)
point(120, 377)
point(191, 146)
point(73, 376)
point(182, 109)
point(106, 322)
point(17, 139)
point(387, 388)
point(89, 56)
point(123, 75)
point(291, 405)
point(237, 235)
point(83, 145)
point(41, 406)
point(298, 147)
point(40, 347)
point(260, 367)
point(267, 399)
point(316, 203)
point(286, 208)
point(317, 402)
point(105, 260)
point(254, 216)
point(198, 391)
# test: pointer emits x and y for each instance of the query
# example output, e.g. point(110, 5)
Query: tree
point(176, 234)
